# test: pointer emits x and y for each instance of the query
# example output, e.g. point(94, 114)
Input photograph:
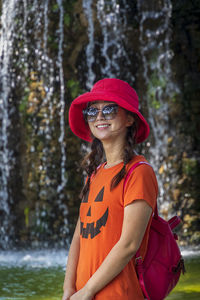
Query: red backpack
point(159, 271)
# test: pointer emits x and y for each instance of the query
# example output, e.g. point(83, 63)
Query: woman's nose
point(100, 115)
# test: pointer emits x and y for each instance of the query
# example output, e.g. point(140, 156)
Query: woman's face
point(106, 130)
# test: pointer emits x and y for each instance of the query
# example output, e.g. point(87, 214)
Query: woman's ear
point(130, 120)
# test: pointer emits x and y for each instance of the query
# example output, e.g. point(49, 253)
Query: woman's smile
point(102, 126)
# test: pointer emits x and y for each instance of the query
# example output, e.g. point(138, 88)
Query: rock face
point(50, 52)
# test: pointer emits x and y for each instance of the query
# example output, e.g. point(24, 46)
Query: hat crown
point(117, 86)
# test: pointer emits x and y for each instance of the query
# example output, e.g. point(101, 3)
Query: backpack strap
point(174, 221)
point(133, 168)
point(138, 258)
point(130, 171)
point(140, 274)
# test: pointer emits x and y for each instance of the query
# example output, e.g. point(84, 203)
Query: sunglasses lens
point(109, 112)
point(91, 114)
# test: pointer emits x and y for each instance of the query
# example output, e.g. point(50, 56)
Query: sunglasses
point(109, 112)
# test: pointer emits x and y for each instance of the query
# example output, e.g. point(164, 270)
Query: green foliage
point(23, 104)
point(74, 88)
point(173, 98)
point(190, 166)
point(26, 214)
point(55, 7)
point(155, 82)
point(67, 19)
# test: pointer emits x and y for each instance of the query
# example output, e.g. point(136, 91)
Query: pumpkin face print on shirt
point(93, 226)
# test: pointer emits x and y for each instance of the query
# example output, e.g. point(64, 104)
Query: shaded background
point(50, 52)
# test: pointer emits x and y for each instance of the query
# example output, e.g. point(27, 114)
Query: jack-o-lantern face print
point(93, 228)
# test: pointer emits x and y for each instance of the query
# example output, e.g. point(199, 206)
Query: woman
point(114, 219)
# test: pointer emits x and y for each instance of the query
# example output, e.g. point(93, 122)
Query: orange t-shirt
point(101, 216)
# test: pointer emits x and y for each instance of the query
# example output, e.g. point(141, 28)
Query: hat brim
point(81, 128)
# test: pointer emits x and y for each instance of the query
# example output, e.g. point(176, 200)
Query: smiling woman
point(113, 222)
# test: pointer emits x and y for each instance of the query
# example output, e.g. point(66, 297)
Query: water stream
point(7, 160)
point(112, 19)
point(155, 35)
point(27, 66)
point(87, 8)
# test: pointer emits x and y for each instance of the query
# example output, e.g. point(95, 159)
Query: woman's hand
point(83, 294)
point(68, 293)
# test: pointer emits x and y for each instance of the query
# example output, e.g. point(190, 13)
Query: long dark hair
point(96, 157)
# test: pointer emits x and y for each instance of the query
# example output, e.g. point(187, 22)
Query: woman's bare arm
point(72, 261)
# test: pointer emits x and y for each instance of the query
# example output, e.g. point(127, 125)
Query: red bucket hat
point(108, 89)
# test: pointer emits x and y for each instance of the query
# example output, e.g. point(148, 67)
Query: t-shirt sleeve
point(141, 184)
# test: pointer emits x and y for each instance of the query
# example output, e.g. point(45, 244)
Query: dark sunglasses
point(109, 112)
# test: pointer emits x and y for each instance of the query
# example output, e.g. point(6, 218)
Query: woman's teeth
point(102, 126)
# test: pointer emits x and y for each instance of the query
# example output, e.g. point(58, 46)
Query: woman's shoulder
point(143, 172)
point(137, 159)
point(139, 166)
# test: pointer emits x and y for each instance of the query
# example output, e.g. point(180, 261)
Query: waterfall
point(27, 65)
point(87, 7)
point(112, 21)
point(156, 57)
point(62, 186)
point(45, 46)
point(62, 100)
point(7, 159)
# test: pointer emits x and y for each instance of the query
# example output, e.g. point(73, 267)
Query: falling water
point(112, 21)
point(39, 76)
point(61, 187)
point(112, 16)
point(156, 57)
point(9, 11)
point(62, 100)
point(87, 7)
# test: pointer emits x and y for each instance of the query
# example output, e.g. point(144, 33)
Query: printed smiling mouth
point(94, 230)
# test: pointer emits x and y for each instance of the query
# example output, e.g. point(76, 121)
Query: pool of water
point(32, 275)
point(39, 275)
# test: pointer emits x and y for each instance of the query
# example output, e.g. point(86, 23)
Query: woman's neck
point(113, 153)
